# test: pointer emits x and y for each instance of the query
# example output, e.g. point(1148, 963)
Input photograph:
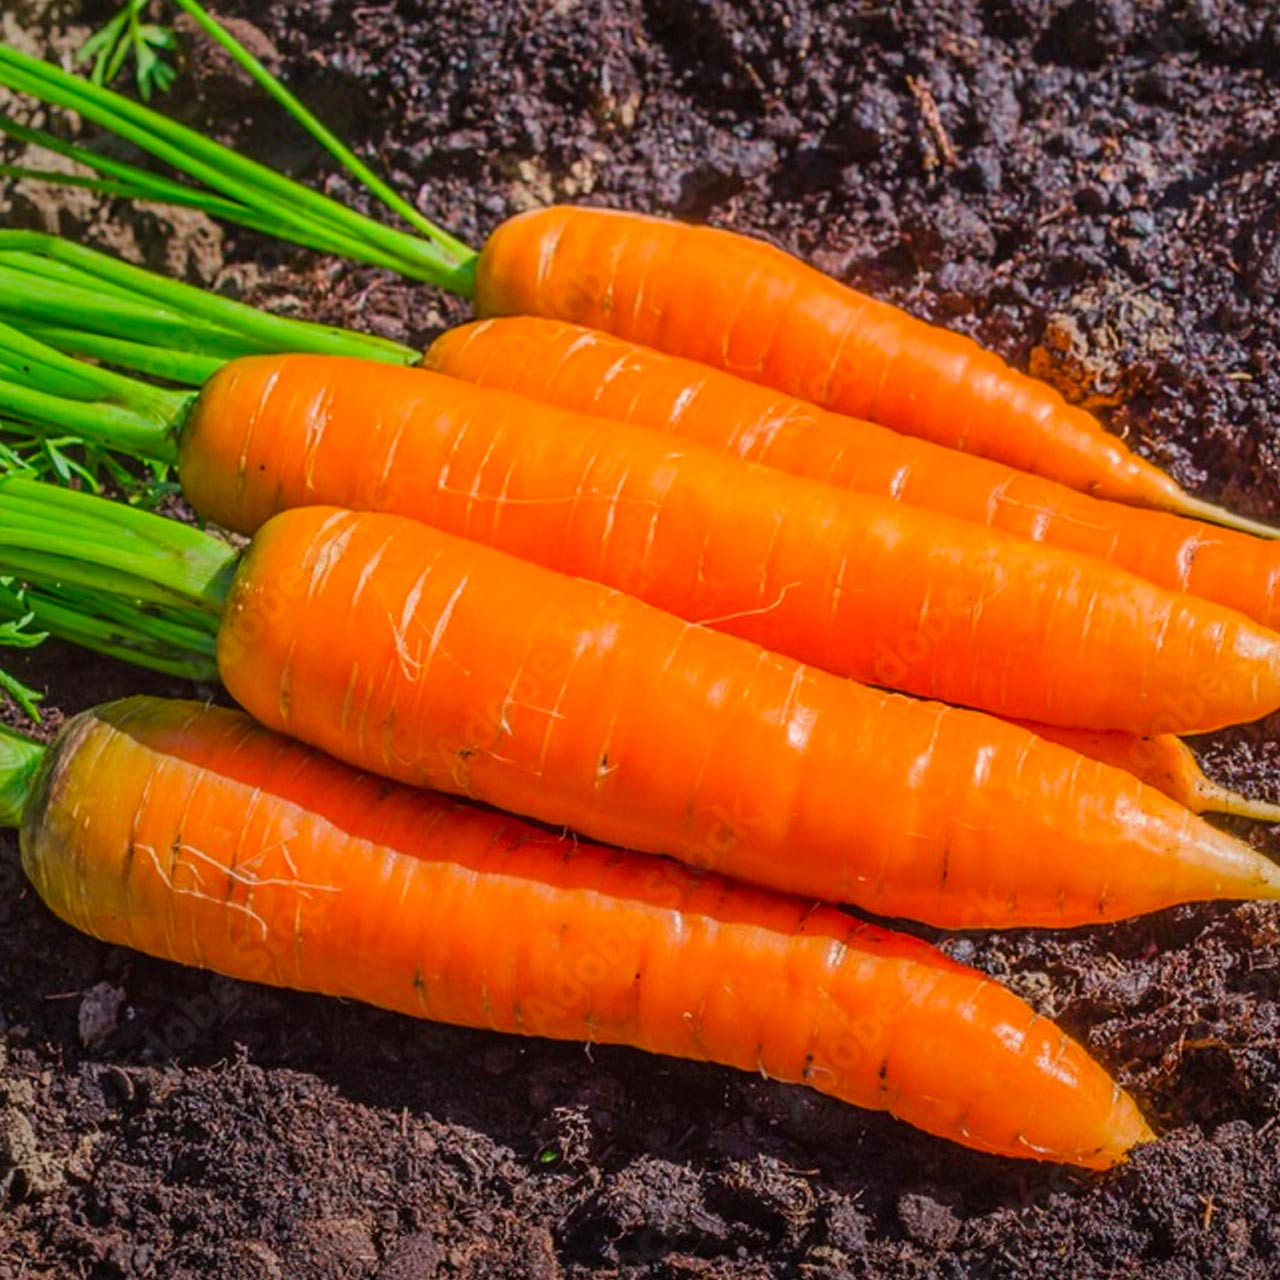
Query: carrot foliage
point(20, 759)
point(70, 421)
point(226, 184)
point(112, 578)
point(42, 387)
point(17, 632)
point(56, 287)
point(128, 35)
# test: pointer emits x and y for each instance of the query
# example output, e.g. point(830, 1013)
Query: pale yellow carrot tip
point(1218, 799)
point(1129, 1130)
point(1198, 509)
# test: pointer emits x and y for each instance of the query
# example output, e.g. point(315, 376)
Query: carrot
point(592, 372)
point(725, 299)
point(857, 585)
point(445, 664)
point(325, 880)
point(740, 305)
point(1161, 761)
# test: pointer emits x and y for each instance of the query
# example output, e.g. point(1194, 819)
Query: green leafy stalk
point(59, 374)
point(57, 282)
point(48, 391)
point(20, 760)
point(126, 181)
point(322, 134)
point(124, 582)
point(301, 214)
point(107, 425)
point(60, 300)
point(156, 362)
point(138, 634)
point(125, 34)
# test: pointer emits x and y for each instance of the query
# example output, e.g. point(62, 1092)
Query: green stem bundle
point(46, 280)
point(46, 389)
point(59, 301)
point(230, 186)
point(113, 579)
point(20, 760)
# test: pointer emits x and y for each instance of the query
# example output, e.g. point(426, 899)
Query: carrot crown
point(111, 578)
point(228, 185)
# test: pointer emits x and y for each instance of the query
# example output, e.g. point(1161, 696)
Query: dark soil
point(1090, 186)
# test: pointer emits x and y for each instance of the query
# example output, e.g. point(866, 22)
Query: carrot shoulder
point(858, 585)
point(588, 371)
point(445, 664)
point(187, 832)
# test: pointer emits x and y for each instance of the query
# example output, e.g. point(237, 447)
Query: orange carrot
point(1161, 761)
point(592, 372)
point(740, 305)
point(187, 832)
point(623, 723)
point(445, 664)
point(860, 586)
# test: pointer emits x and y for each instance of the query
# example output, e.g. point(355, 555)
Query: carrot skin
point(738, 304)
point(442, 663)
point(189, 833)
point(857, 585)
point(586, 371)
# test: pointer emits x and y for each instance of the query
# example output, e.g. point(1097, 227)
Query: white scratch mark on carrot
point(776, 603)
point(170, 883)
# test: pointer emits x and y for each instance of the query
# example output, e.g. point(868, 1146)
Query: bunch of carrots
point(682, 547)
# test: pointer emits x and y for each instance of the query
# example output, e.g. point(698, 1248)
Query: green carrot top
point(20, 759)
point(227, 185)
point(111, 578)
point(52, 286)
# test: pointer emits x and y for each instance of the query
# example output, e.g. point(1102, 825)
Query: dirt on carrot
point(200, 1127)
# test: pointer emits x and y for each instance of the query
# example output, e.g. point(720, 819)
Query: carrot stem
point(48, 369)
point(323, 135)
point(145, 187)
point(20, 759)
point(140, 635)
point(108, 425)
point(255, 191)
point(27, 295)
point(127, 181)
point(113, 579)
point(179, 313)
point(184, 367)
point(45, 389)
point(53, 539)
